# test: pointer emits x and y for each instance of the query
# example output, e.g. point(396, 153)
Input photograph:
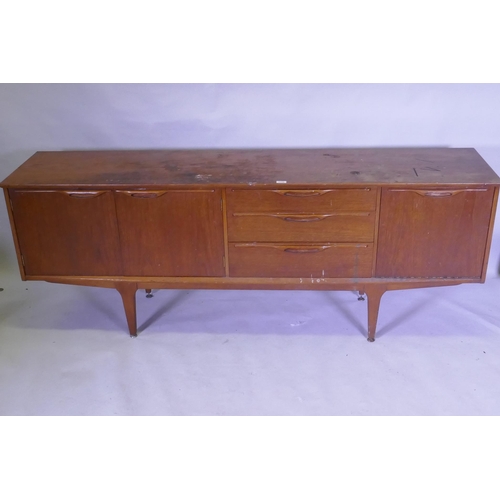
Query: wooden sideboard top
point(253, 167)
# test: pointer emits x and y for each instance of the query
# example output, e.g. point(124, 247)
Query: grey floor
point(64, 350)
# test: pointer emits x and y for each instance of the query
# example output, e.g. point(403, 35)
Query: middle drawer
point(325, 226)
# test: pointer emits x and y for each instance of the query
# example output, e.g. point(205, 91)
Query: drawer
point(301, 200)
point(325, 260)
point(331, 226)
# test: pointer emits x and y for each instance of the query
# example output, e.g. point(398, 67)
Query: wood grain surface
point(254, 167)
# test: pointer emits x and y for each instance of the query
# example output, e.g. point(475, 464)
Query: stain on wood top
point(253, 167)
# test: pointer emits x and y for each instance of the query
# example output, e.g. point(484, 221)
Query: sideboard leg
point(374, 294)
point(149, 295)
point(127, 291)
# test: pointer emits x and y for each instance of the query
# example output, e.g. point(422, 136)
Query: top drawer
point(301, 200)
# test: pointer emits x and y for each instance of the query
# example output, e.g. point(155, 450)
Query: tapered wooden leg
point(127, 291)
point(374, 294)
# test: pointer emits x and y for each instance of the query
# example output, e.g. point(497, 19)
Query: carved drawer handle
point(304, 219)
point(301, 217)
point(84, 194)
point(303, 193)
point(306, 250)
point(437, 194)
point(300, 248)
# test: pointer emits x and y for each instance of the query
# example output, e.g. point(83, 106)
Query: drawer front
point(325, 260)
point(336, 227)
point(301, 200)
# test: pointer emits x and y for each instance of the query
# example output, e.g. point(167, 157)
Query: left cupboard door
point(67, 233)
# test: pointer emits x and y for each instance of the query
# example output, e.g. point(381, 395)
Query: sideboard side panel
point(490, 235)
point(8, 202)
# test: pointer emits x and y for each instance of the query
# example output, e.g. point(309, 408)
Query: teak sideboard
point(367, 220)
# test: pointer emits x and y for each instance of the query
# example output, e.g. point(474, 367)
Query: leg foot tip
point(370, 339)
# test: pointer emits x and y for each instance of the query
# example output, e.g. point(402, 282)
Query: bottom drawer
point(320, 260)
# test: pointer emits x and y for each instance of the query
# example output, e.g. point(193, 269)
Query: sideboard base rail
point(373, 288)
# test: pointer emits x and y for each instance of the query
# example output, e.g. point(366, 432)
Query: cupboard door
point(433, 233)
point(67, 233)
point(171, 233)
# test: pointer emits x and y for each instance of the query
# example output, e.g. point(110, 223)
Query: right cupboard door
point(425, 233)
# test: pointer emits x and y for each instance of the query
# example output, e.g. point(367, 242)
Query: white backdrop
point(64, 350)
point(69, 116)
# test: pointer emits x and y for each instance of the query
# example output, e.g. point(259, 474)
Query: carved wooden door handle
point(143, 194)
point(442, 193)
point(84, 194)
point(73, 194)
point(158, 193)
